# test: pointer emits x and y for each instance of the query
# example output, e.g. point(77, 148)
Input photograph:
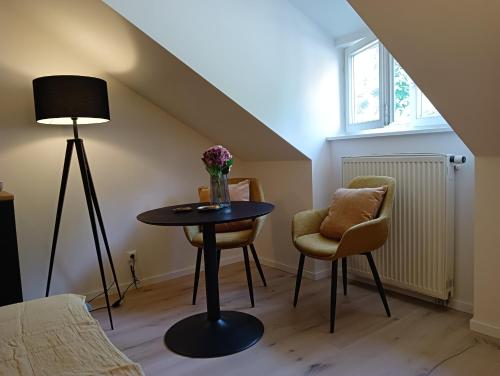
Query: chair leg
point(299, 279)
point(257, 263)
point(333, 296)
point(197, 274)
point(378, 282)
point(249, 274)
point(344, 274)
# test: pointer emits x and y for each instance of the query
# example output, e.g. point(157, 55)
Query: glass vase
point(219, 191)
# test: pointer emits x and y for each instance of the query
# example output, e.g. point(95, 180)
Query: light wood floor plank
point(417, 340)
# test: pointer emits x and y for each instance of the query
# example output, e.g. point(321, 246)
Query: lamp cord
point(135, 282)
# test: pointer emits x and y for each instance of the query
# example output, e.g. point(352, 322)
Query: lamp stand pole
point(93, 207)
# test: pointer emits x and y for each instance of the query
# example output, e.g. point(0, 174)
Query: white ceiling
point(335, 17)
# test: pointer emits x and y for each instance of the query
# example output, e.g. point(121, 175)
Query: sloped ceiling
point(335, 17)
point(266, 55)
point(449, 48)
point(92, 29)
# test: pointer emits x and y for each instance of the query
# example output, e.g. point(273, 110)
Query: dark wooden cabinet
point(10, 274)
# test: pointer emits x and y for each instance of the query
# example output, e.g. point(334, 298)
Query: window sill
point(386, 133)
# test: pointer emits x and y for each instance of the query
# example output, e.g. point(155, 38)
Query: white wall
point(288, 186)
point(265, 55)
point(456, 64)
point(142, 159)
point(280, 67)
point(487, 248)
point(284, 71)
point(447, 143)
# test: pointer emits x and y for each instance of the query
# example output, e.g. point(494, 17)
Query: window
point(380, 94)
point(365, 89)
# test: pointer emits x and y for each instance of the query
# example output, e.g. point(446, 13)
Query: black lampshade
point(58, 99)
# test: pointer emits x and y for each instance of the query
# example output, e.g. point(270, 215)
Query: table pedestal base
point(197, 337)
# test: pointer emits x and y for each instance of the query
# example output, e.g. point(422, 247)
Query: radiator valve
point(457, 160)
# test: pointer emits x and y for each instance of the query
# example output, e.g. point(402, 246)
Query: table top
point(239, 210)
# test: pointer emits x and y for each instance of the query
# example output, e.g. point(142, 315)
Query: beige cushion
point(316, 245)
point(350, 207)
point(240, 191)
point(226, 240)
point(237, 192)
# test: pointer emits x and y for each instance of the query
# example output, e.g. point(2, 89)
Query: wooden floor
point(419, 339)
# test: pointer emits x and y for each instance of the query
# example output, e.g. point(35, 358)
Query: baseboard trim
point(185, 271)
point(482, 327)
point(460, 305)
point(151, 280)
point(324, 273)
point(455, 304)
point(287, 268)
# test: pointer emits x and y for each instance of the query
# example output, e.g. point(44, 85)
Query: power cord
point(101, 293)
point(135, 282)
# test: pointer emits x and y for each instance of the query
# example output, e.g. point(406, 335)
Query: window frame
point(386, 96)
point(350, 52)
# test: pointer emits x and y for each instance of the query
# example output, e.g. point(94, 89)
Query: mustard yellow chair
point(243, 238)
point(359, 239)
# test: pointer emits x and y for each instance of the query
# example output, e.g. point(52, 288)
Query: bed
point(57, 336)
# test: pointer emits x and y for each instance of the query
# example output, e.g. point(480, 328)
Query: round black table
point(214, 333)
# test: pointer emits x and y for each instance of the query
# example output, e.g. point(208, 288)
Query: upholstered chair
point(243, 238)
point(359, 239)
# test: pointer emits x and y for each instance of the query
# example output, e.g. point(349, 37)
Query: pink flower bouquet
point(218, 160)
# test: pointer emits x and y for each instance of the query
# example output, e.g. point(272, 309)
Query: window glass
point(380, 94)
point(410, 103)
point(404, 89)
point(425, 108)
point(365, 88)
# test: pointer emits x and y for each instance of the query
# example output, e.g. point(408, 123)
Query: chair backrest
point(378, 181)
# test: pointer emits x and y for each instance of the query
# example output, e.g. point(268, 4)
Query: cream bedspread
point(57, 336)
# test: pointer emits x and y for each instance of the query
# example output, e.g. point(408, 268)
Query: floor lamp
point(75, 100)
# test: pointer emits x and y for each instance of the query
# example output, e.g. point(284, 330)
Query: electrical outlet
point(132, 255)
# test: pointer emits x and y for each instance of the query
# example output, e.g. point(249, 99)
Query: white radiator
point(419, 253)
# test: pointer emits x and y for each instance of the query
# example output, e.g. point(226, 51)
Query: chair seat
point(226, 240)
point(317, 246)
